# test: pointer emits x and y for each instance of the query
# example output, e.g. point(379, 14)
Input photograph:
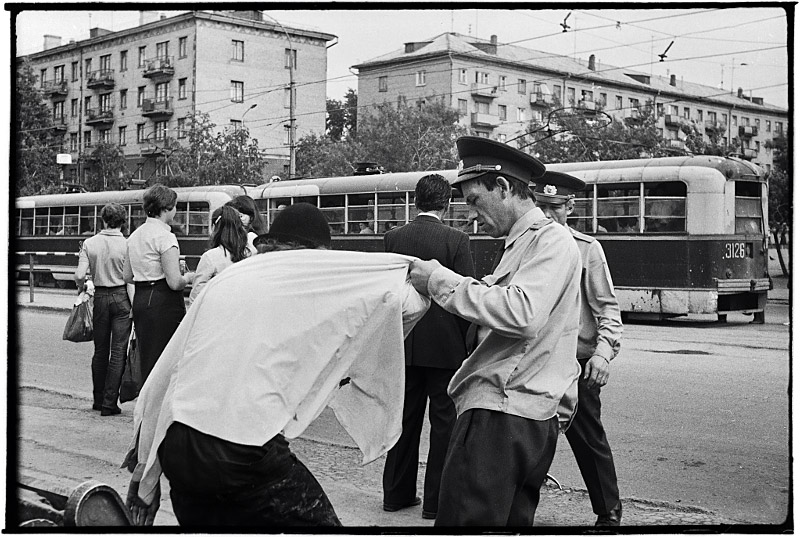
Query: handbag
point(132, 375)
point(80, 326)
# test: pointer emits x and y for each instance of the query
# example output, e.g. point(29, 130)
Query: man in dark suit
point(434, 351)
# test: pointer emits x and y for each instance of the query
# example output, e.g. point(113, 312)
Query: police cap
point(479, 156)
point(556, 187)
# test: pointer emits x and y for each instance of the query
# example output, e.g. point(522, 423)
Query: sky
point(720, 47)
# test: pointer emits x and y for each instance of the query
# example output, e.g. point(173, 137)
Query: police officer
point(522, 376)
point(598, 344)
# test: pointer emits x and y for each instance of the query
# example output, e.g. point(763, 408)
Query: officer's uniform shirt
point(601, 323)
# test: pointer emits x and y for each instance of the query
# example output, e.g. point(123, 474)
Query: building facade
point(138, 87)
point(499, 89)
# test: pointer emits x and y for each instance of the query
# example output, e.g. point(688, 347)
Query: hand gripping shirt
point(275, 338)
point(528, 312)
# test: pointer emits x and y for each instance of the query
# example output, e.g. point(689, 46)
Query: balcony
point(60, 124)
point(676, 144)
point(154, 108)
point(483, 90)
point(99, 116)
point(484, 120)
point(159, 67)
point(633, 117)
point(749, 154)
point(588, 107)
point(151, 149)
point(101, 79)
point(56, 90)
point(747, 131)
point(541, 99)
point(674, 121)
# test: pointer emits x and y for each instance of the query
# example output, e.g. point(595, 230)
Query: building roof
point(489, 51)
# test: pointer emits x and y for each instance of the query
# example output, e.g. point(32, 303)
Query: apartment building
point(138, 87)
point(500, 88)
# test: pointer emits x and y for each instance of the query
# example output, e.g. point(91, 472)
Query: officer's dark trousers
point(157, 312)
point(496, 464)
point(402, 461)
point(588, 440)
point(112, 328)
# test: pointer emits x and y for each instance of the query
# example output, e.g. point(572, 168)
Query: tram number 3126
point(735, 250)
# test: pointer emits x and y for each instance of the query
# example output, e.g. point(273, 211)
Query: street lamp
point(732, 68)
point(245, 112)
point(291, 98)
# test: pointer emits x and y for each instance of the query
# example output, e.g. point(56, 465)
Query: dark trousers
point(495, 466)
point(218, 483)
point(157, 312)
point(112, 328)
point(588, 441)
point(402, 461)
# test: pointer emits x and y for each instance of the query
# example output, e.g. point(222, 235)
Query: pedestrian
point(229, 245)
point(252, 220)
point(520, 381)
point(784, 234)
point(103, 256)
point(598, 344)
point(433, 352)
point(152, 264)
point(227, 393)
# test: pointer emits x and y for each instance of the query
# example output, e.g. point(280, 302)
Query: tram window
point(137, 217)
point(332, 208)
point(391, 210)
point(581, 217)
point(747, 208)
point(70, 220)
point(615, 202)
point(665, 207)
point(458, 216)
point(276, 205)
point(361, 214)
point(56, 221)
point(180, 222)
point(26, 222)
point(87, 220)
point(198, 218)
point(306, 199)
point(40, 221)
point(261, 206)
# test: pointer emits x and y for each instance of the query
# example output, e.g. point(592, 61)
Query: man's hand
point(420, 272)
point(596, 372)
point(141, 513)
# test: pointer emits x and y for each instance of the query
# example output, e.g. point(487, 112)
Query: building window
point(105, 136)
point(725, 119)
point(140, 96)
point(162, 92)
point(74, 107)
point(87, 104)
point(481, 107)
point(712, 117)
point(769, 126)
point(633, 103)
point(161, 130)
point(659, 109)
point(181, 47)
point(140, 137)
point(87, 139)
point(746, 121)
point(142, 56)
point(287, 98)
point(603, 100)
point(105, 102)
point(522, 86)
point(481, 77)
point(181, 127)
point(758, 146)
point(58, 110)
point(236, 124)
point(556, 93)
point(571, 96)
point(700, 115)
point(74, 71)
point(618, 102)
point(725, 141)
point(734, 120)
point(105, 62)
point(502, 111)
point(520, 114)
point(42, 77)
point(462, 76)
point(162, 50)
point(123, 99)
point(73, 141)
point(88, 66)
point(779, 127)
point(383, 83)
point(758, 123)
point(58, 73)
point(237, 52)
point(501, 138)
point(462, 106)
point(420, 78)
point(123, 136)
point(237, 91)
point(181, 88)
point(123, 60)
point(502, 83)
point(290, 58)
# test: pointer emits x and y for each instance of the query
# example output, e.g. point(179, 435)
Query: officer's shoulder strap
point(581, 237)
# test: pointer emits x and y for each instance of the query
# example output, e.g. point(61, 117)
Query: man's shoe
point(110, 411)
point(613, 518)
point(430, 515)
point(97, 406)
point(392, 507)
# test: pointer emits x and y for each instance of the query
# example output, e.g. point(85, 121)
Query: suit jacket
point(438, 339)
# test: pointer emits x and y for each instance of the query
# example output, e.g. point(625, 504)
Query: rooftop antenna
point(663, 55)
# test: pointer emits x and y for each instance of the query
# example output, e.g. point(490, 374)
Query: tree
point(342, 116)
point(780, 195)
point(319, 156)
point(106, 168)
point(36, 142)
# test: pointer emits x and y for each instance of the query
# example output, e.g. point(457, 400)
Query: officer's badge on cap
point(556, 187)
point(480, 156)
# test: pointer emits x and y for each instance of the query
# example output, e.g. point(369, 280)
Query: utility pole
point(292, 127)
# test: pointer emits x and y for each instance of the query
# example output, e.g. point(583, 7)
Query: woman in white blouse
point(229, 244)
point(152, 264)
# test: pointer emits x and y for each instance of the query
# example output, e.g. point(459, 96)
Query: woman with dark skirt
point(152, 264)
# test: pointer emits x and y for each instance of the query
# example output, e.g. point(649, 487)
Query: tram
point(682, 235)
